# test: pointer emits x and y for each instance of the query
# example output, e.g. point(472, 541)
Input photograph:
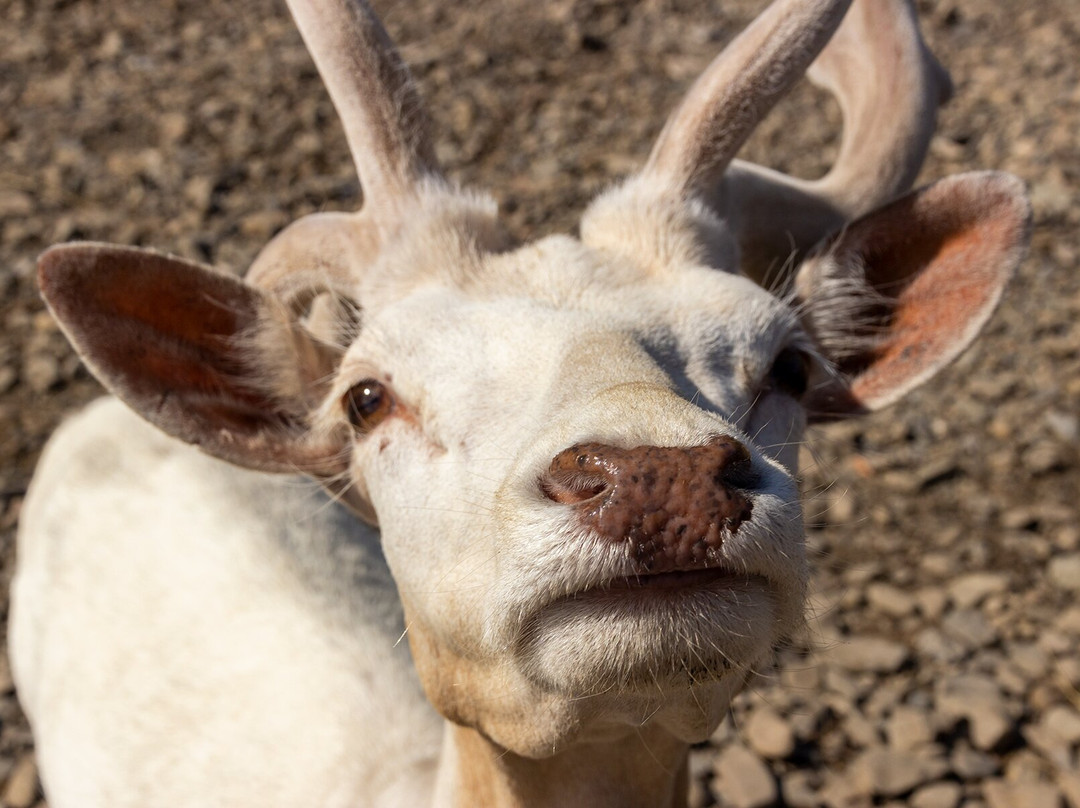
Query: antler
point(736, 91)
point(374, 95)
point(388, 135)
point(888, 85)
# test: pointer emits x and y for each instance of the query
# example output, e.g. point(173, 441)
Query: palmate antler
point(886, 81)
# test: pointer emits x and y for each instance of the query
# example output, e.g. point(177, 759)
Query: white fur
point(186, 633)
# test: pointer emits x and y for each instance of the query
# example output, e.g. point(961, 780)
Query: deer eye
point(367, 404)
point(790, 373)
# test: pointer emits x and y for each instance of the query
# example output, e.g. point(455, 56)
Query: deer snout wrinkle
point(670, 505)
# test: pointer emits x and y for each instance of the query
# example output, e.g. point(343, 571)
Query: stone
point(970, 764)
point(937, 795)
point(743, 780)
point(931, 602)
point(1064, 722)
point(1064, 572)
point(908, 729)
point(887, 773)
point(769, 735)
point(970, 590)
point(1068, 622)
point(979, 700)
point(41, 371)
point(1000, 794)
point(970, 628)
point(1069, 783)
point(870, 654)
point(890, 600)
point(798, 790)
point(21, 788)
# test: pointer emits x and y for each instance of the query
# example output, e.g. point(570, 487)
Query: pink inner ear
point(195, 352)
point(932, 266)
point(155, 327)
point(938, 310)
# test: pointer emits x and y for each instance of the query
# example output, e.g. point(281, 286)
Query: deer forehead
point(551, 323)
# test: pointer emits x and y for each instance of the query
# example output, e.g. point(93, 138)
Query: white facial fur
point(497, 362)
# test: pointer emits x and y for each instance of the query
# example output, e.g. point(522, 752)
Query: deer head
point(580, 451)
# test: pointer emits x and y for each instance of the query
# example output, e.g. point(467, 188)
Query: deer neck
point(646, 768)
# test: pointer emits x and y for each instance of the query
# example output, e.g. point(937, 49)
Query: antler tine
point(888, 85)
point(736, 91)
point(373, 93)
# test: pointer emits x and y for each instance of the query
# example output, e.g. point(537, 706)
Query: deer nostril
point(737, 468)
point(578, 474)
point(573, 490)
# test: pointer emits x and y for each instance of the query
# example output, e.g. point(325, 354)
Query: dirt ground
point(941, 666)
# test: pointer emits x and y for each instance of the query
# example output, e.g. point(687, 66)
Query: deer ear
point(201, 355)
point(899, 293)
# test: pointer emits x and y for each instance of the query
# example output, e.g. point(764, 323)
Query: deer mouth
point(656, 628)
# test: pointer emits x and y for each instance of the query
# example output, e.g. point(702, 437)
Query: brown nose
point(671, 505)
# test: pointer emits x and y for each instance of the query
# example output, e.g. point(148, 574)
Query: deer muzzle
point(671, 506)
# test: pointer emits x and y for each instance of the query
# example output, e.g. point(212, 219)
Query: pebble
point(742, 779)
point(969, 628)
point(978, 699)
point(908, 729)
point(888, 773)
point(21, 787)
point(890, 600)
point(937, 795)
point(769, 735)
point(1064, 722)
point(1069, 783)
point(1064, 572)
point(1000, 794)
point(798, 790)
point(869, 654)
point(970, 590)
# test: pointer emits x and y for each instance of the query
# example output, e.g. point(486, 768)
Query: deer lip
point(675, 581)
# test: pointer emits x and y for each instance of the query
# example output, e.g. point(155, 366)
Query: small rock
point(1064, 722)
point(1064, 572)
point(969, 628)
point(798, 790)
point(908, 729)
point(1069, 621)
point(21, 787)
point(1065, 425)
point(41, 371)
point(870, 654)
point(1000, 794)
point(931, 601)
point(978, 699)
point(1030, 659)
point(743, 780)
point(14, 204)
point(970, 590)
point(1069, 783)
point(888, 773)
point(937, 795)
point(970, 764)
point(1044, 457)
point(931, 644)
point(890, 600)
point(769, 735)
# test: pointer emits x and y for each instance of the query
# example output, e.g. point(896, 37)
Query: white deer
point(563, 471)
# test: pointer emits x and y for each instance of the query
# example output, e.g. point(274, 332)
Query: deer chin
point(641, 632)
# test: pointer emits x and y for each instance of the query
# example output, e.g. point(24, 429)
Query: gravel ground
point(940, 665)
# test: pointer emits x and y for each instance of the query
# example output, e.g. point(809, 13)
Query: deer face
point(580, 453)
point(499, 555)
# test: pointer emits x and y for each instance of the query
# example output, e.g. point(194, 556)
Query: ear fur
point(901, 292)
point(202, 355)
